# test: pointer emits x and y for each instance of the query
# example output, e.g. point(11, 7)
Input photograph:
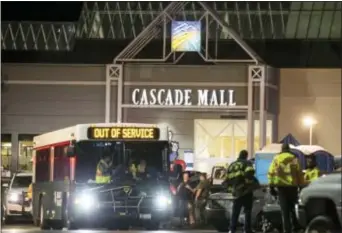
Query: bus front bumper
point(106, 215)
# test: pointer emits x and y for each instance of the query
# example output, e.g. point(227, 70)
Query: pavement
point(29, 228)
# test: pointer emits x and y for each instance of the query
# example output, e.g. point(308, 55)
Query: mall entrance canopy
point(160, 26)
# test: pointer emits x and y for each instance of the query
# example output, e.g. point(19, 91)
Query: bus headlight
point(85, 201)
point(162, 201)
point(13, 197)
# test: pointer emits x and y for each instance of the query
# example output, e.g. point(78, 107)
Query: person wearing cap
point(104, 169)
point(285, 178)
point(241, 183)
point(312, 171)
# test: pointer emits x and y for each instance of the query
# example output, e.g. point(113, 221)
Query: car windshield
point(89, 153)
point(21, 181)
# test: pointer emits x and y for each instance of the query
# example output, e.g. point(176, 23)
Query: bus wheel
point(71, 225)
point(43, 221)
point(57, 224)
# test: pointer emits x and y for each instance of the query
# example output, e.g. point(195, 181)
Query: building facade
point(204, 106)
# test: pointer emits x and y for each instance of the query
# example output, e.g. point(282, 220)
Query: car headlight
point(85, 200)
point(13, 197)
point(162, 201)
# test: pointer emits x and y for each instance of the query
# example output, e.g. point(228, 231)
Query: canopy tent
point(290, 139)
point(324, 159)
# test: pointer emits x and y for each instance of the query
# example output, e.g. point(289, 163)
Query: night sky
point(40, 11)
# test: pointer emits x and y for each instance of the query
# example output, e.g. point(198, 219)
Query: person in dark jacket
point(186, 193)
point(241, 183)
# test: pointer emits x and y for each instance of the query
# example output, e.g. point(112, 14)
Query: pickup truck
point(319, 205)
point(16, 203)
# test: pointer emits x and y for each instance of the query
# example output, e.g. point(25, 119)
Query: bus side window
point(43, 165)
point(61, 168)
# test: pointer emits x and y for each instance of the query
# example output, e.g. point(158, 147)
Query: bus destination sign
point(123, 133)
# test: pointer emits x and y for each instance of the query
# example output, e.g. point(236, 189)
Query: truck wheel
point(43, 221)
point(321, 224)
point(152, 226)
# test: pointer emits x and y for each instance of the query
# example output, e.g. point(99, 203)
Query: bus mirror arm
point(71, 152)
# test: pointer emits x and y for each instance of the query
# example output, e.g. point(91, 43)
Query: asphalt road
point(25, 228)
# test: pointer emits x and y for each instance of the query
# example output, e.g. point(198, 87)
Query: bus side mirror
point(71, 151)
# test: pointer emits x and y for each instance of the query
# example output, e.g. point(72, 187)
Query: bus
point(65, 193)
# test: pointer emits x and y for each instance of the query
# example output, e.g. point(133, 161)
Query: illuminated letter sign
point(183, 97)
point(122, 133)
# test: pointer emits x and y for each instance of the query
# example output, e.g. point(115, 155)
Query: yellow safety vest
point(239, 178)
point(133, 169)
point(29, 191)
point(311, 174)
point(285, 171)
point(101, 178)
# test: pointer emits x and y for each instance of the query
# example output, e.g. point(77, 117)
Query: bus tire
point(43, 222)
point(57, 225)
point(72, 225)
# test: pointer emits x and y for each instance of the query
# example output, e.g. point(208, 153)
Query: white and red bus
point(65, 160)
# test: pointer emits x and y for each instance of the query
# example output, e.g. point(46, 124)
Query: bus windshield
point(89, 153)
point(21, 181)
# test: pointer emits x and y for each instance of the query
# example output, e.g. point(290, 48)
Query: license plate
point(145, 216)
point(122, 214)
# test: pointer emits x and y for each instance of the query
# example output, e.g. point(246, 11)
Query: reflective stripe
point(102, 179)
point(284, 170)
point(311, 174)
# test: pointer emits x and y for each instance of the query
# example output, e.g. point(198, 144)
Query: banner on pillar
point(186, 36)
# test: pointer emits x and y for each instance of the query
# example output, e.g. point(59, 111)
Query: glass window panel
point(6, 155)
point(214, 148)
point(307, 5)
point(246, 28)
point(303, 23)
point(296, 5)
point(329, 6)
point(326, 24)
point(292, 24)
point(314, 24)
point(240, 143)
point(338, 5)
point(336, 26)
point(25, 155)
point(255, 18)
point(278, 26)
point(266, 22)
point(318, 6)
point(227, 147)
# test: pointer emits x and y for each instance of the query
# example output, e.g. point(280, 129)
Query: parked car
point(319, 205)
point(219, 207)
point(16, 203)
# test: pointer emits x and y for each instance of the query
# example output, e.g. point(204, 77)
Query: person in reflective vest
point(241, 183)
point(285, 177)
point(29, 192)
point(104, 169)
point(312, 172)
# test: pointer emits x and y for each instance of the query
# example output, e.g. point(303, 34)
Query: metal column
point(256, 75)
point(114, 73)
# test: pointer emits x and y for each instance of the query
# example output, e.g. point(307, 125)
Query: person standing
point(104, 170)
point(186, 195)
point(312, 171)
point(285, 178)
point(201, 195)
point(241, 183)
